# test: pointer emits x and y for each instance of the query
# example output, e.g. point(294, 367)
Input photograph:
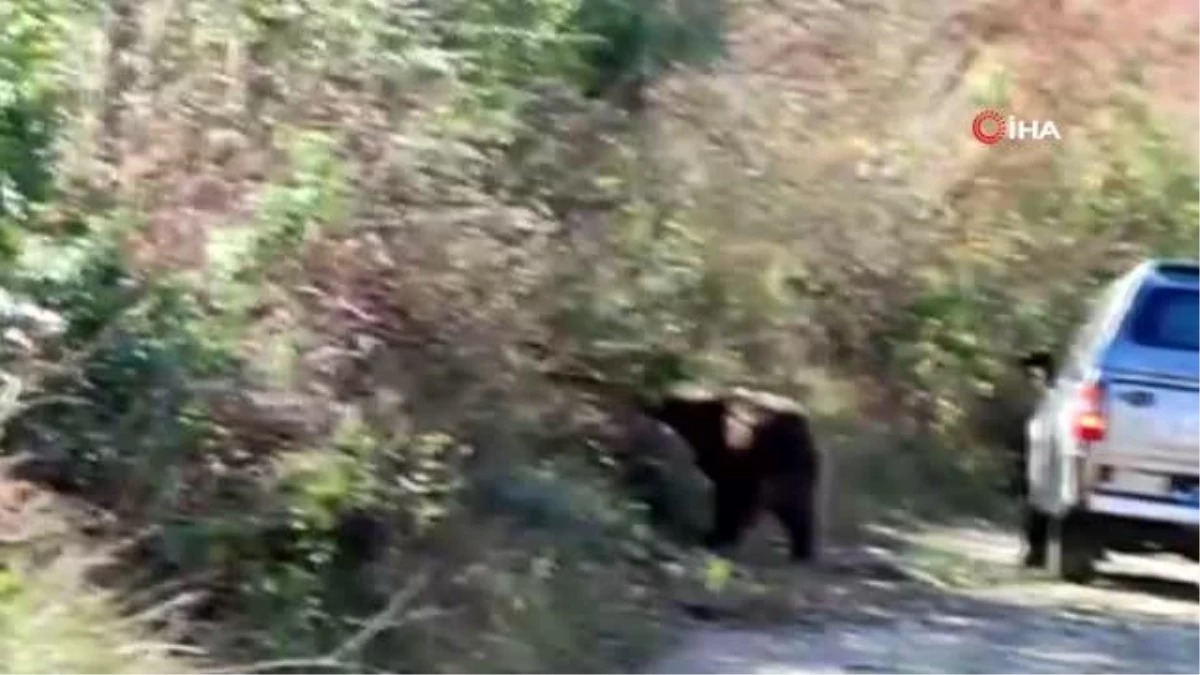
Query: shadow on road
point(857, 618)
point(878, 584)
point(1167, 589)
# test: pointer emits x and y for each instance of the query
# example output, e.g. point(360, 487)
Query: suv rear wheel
point(1071, 549)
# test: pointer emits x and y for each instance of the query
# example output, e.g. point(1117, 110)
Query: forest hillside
point(283, 280)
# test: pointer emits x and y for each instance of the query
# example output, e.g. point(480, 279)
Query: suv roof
point(1167, 272)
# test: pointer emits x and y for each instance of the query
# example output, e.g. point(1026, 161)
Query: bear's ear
point(1039, 365)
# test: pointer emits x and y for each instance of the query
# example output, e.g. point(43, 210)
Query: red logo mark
point(984, 120)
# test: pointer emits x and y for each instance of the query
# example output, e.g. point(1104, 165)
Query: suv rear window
point(1169, 318)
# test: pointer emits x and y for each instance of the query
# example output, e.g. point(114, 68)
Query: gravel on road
point(1141, 616)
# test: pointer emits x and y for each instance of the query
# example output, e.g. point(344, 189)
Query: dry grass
point(54, 620)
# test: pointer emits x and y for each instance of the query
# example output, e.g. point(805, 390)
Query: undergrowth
point(312, 263)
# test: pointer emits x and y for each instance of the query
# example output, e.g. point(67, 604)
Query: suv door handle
point(1138, 398)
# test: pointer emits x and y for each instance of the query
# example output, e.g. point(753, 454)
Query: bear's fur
point(758, 450)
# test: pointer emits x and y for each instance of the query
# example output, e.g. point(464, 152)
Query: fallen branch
point(337, 659)
point(382, 620)
point(307, 665)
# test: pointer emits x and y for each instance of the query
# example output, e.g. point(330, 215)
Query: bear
point(758, 450)
point(999, 420)
point(1039, 369)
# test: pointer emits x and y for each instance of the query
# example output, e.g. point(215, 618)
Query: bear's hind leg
point(733, 513)
point(795, 507)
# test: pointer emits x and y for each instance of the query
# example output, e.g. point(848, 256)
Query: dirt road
point(1140, 616)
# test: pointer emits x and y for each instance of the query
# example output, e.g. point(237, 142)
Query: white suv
point(1114, 445)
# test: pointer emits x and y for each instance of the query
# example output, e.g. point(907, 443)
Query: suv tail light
point(1090, 422)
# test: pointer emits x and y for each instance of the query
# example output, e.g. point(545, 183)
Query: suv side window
point(1167, 319)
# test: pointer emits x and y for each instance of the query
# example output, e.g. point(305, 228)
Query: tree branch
point(337, 659)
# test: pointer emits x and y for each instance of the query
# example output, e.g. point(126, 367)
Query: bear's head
point(698, 417)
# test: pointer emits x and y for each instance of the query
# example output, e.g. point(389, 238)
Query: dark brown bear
point(758, 450)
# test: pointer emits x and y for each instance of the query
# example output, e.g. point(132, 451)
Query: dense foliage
point(315, 260)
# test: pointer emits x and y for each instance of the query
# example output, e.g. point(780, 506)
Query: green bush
point(127, 414)
point(32, 41)
point(633, 43)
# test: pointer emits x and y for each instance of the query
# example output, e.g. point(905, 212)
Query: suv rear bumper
point(1136, 508)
